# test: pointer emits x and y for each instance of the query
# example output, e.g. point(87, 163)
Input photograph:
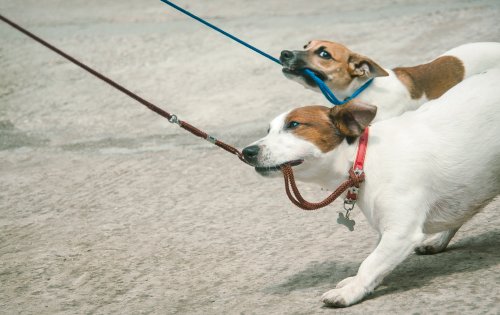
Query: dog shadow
point(316, 274)
point(467, 255)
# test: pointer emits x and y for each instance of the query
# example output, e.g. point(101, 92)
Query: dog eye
point(292, 125)
point(324, 54)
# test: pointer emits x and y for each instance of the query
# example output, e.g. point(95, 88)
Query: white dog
point(427, 171)
point(393, 91)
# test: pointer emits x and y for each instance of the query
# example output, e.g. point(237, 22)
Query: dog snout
point(286, 55)
point(293, 60)
point(251, 154)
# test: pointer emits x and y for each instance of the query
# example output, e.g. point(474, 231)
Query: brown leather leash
point(286, 168)
point(171, 118)
point(296, 198)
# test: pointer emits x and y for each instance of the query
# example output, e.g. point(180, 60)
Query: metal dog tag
point(344, 220)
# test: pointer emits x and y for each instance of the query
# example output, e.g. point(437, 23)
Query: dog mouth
point(300, 73)
point(267, 170)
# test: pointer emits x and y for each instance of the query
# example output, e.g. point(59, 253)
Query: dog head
point(309, 134)
point(333, 63)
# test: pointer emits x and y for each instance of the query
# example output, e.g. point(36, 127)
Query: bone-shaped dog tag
point(344, 220)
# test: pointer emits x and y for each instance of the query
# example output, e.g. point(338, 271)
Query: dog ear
point(361, 66)
point(352, 118)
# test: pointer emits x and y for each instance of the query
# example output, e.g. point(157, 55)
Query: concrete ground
point(105, 208)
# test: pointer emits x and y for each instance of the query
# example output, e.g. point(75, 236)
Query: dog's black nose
point(250, 153)
point(286, 55)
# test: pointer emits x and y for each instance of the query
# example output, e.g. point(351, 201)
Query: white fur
point(477, 57)
point(389, 94)
point(427, 171)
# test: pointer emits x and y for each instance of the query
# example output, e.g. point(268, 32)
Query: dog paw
point(344, 282)
point(435, 243)
point(334, 298)
point(428, 250)
point(345, 296)
point(430, 247)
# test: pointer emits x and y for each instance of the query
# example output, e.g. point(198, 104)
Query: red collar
point(358, 168)
point(360, 157)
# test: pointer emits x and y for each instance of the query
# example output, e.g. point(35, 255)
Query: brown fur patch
point(340, 116)
point(342, 68)
point(352, 118)
point(336, 69)
point(432, 79)
point(315, 126)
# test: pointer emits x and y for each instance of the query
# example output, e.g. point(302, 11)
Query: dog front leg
point(392, 249)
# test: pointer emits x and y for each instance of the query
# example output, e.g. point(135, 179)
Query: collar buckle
point(358, 171)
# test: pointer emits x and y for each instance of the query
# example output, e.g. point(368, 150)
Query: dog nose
point(250, 153)
point(286, 55)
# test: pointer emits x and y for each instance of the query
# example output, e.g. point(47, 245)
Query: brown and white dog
point(393, 91)
point(426, 171)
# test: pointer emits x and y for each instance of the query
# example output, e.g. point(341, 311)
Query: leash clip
point(353, 190)
point(211, 139)
point(174, 120)
point(350, 199)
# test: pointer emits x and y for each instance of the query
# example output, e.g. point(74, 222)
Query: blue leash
point(329, 94)
point(322, 86)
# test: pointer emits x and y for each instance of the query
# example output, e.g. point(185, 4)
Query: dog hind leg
point(436, 243)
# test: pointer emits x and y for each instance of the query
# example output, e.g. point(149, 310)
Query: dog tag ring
point(345, 221)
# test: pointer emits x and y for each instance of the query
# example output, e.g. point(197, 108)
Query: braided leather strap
point(172, 118)
point(297, 199)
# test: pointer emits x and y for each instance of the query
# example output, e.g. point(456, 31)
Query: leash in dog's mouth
point(275, 168)
point(301, 72)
